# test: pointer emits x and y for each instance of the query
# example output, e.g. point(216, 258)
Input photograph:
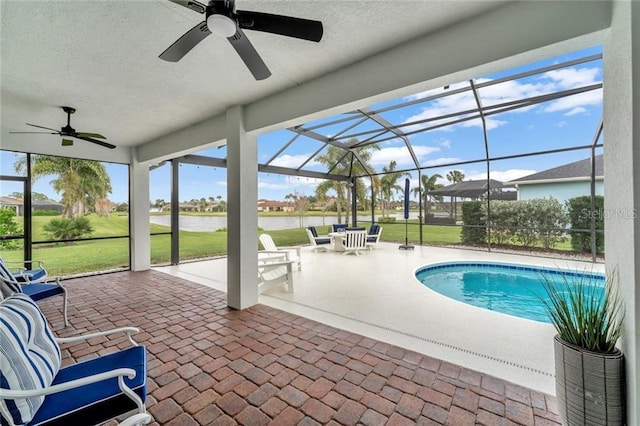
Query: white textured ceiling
point(101, 57)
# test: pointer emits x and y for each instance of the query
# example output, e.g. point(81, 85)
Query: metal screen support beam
point(354, 202)
point(175, 211)
point(476, 95)
point(594, 235)
point(422, 217)
point(27, 214)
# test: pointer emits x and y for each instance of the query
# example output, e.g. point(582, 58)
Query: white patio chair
point(354, 241)
point(274, 273)
point(373, 237)
point(319, 242)
point(293, 253)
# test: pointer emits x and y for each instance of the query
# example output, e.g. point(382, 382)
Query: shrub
point(386, 219)
point(45, 213)
point(68, 229)
point(8, 226)
point(472, 216)
point(528, 223)
point(580, 214)
point(503, 217)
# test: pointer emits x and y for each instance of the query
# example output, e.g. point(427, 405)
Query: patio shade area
point(209, 364)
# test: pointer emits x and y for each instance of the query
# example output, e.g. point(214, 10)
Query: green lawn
point(85, 256)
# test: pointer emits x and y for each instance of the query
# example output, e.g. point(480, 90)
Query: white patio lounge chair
point(274, 273)
point(354, 241)
point(319, 242)
point(293, 253)
point(36, 391)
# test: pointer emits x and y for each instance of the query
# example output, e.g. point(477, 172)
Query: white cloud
point(446, 143)
point(531, 127)
point(576, 110)
point(222, 183)
point(291, 161)
point(441, 160)
point(562, 124)
point(400, 154)
point(546, 83)
point(501, 175)
point(570, 78)
point(591, 98)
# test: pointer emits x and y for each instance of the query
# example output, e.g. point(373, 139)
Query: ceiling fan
point(222, 19)
point(71, 132)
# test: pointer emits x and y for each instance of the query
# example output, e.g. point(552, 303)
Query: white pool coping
point(377, 295)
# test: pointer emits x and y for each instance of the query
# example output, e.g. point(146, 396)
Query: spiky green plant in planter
point(590, 381)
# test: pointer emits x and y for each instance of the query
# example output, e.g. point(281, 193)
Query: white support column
point(622, 181)
point(242, 213)
point(139, 215)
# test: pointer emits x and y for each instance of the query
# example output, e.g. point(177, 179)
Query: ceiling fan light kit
point(222, 19)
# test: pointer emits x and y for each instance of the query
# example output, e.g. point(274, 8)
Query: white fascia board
point(205, 134)
point(541, 181)
point(50, 145)
point(466, 50)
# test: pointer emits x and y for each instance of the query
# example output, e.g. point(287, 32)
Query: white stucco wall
point(621, 161)
point(560, 191)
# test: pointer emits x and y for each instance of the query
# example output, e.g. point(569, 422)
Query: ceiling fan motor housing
point(221, 18)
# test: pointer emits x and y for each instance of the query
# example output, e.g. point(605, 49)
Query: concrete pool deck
point(377, 295)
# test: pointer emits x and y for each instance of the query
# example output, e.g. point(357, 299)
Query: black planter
point(590, 386)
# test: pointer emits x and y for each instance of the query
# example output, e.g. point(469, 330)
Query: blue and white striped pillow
point(29, 356)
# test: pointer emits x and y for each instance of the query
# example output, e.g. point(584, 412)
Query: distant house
point(563, 182)
point(18, 205)
point(13, 203)
point(274, 206)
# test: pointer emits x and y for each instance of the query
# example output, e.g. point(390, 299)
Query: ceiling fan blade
point(42, 127)
point(191, 4)
point(90, 135)
point(305, 29)
point(248, 53)
point(36, 133)
point(184, 44)
point(96, 141)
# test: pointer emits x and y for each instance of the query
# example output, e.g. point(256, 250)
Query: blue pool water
point(506, 288)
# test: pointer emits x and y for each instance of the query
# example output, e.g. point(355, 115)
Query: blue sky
point(566, 122)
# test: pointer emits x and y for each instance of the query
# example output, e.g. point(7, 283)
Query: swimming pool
point(502, 287)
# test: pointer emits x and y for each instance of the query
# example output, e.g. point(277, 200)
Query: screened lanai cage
point(507, 161)
point(521, 149)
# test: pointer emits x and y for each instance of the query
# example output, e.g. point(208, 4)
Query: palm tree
point(429, 183)
point(81, 182)
point(347, 165)
point(455, 176)
point(389, 184)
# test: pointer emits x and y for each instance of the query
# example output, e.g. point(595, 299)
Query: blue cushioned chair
point(36, 391)
point(338, 227)
point(373, 237)
point(32, 283)
point(319, 242)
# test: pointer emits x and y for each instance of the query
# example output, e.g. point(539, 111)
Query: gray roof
point(469, 188)
point(577, 169)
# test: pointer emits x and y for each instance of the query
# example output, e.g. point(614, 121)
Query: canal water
point(268, 223)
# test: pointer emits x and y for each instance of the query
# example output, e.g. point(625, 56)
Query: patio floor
point(209, 364)
point(377, 295)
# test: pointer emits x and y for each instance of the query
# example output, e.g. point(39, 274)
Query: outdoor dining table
point(337, 238)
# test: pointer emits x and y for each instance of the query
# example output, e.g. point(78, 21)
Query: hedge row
point(531, 223)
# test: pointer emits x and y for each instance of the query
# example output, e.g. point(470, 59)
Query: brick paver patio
point(210, 365)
